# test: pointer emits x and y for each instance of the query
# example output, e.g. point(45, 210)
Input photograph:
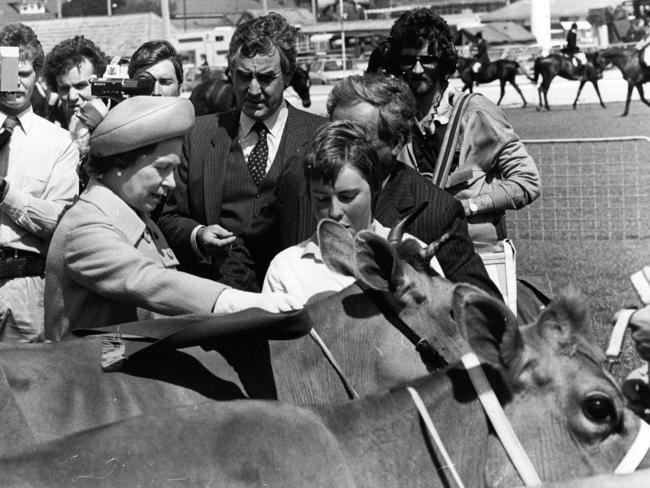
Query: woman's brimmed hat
point(139, 121)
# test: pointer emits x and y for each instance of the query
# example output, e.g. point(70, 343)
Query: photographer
point(68, 68)
point(109, 263)
point(158, 59)
point(37, 180)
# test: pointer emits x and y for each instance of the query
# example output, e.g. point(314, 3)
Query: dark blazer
point(405, 189)
point(198, 195)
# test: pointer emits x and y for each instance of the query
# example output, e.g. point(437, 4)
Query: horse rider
point(644, 53)
point(572, 49)
point(481, 57)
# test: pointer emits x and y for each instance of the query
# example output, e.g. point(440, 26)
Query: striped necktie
point(7, 129)
point(260, 154)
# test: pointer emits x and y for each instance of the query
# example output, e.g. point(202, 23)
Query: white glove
point(231, 300)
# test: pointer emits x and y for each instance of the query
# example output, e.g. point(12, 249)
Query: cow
point(567, 411)
point(53, 390)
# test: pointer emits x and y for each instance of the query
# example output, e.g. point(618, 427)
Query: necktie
point(259, 155)
point(7, 130)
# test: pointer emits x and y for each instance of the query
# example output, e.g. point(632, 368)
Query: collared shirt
point(440, 114)
point(40, 166)
point(275, 124)
point(300, 270)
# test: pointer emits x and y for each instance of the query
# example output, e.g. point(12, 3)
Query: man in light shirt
point(37, 181)
point(225, 199)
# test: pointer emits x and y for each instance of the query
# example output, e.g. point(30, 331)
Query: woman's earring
point(119, 174)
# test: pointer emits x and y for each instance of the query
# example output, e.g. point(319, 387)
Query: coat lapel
point(395, 200)
point(215, 164)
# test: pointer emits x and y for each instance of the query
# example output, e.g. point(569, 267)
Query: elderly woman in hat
point(108, 262)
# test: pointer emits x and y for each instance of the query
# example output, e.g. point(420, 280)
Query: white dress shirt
point(40, 166)
point(300, 270)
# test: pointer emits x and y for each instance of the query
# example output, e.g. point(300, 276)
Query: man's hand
point(213, 237)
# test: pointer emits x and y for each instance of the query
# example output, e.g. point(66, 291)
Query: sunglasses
point(408, 61)
point(264, 79)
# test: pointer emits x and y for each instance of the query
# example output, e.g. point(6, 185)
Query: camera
point(118, 89)
point(116, 84)
point(8, 69)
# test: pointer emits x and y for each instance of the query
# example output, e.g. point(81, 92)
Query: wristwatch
point(473, 208)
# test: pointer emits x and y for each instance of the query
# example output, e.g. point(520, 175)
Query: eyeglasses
point(408, 61)
point(264, 79)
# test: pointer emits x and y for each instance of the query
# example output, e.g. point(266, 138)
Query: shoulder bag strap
point(449, 142)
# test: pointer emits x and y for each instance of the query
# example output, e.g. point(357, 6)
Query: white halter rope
point(507, 435)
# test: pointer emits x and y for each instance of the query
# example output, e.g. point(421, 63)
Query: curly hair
point(262, 36)
point(153, 52)
point(25, 39)
point(416, 27)
point(345, 143)
point(391, 96)
point(69, 53)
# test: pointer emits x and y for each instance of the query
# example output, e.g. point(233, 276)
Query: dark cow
point(567, 411)
point(51, 390)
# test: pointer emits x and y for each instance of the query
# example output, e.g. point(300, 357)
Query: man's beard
point(423, 84)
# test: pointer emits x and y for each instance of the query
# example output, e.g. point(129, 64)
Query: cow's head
point(400, 274)
point(567, 410)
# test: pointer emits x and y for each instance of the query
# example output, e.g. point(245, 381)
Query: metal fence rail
point(591, 189)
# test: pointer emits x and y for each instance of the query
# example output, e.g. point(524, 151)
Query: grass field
point(600, 268)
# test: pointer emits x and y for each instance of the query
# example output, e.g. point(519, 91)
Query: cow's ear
point(564, 320)
point(489, 327)
point(336, 246)
point(377, 263)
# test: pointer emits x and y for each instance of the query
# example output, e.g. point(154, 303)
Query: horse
point(636, 75)
point(217, 95)
point(555, 64)
point(566, 410)
point(504, 70)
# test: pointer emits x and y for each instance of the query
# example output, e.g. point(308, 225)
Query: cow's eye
point(599, 408)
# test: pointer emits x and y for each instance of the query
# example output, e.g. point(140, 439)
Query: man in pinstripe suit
point(220, 219)
point(387, 106)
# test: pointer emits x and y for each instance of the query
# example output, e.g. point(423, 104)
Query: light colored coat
point(106, 261)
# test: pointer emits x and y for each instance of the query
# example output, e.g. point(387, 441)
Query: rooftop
point(115, 35)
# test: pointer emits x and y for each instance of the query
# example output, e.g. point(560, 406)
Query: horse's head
point(567, 410)
point(301, 84)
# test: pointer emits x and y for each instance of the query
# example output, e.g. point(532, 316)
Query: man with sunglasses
point(223, 206)
point(491, 167)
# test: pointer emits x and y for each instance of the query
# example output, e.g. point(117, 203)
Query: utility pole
point(167, 26)
point(109, 7)
point(540, 23)
point(59, 9)
point(314, 9)
point(265, 7)
point(342, 16)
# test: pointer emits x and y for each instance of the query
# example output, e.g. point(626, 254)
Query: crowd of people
point(144, 210)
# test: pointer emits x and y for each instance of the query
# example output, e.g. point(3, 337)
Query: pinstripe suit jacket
point(405, 189)
point(198, 196)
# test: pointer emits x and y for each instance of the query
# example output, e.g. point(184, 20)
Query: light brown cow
point(567, 410)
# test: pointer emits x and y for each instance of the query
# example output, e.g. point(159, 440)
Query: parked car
point(331, 70)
